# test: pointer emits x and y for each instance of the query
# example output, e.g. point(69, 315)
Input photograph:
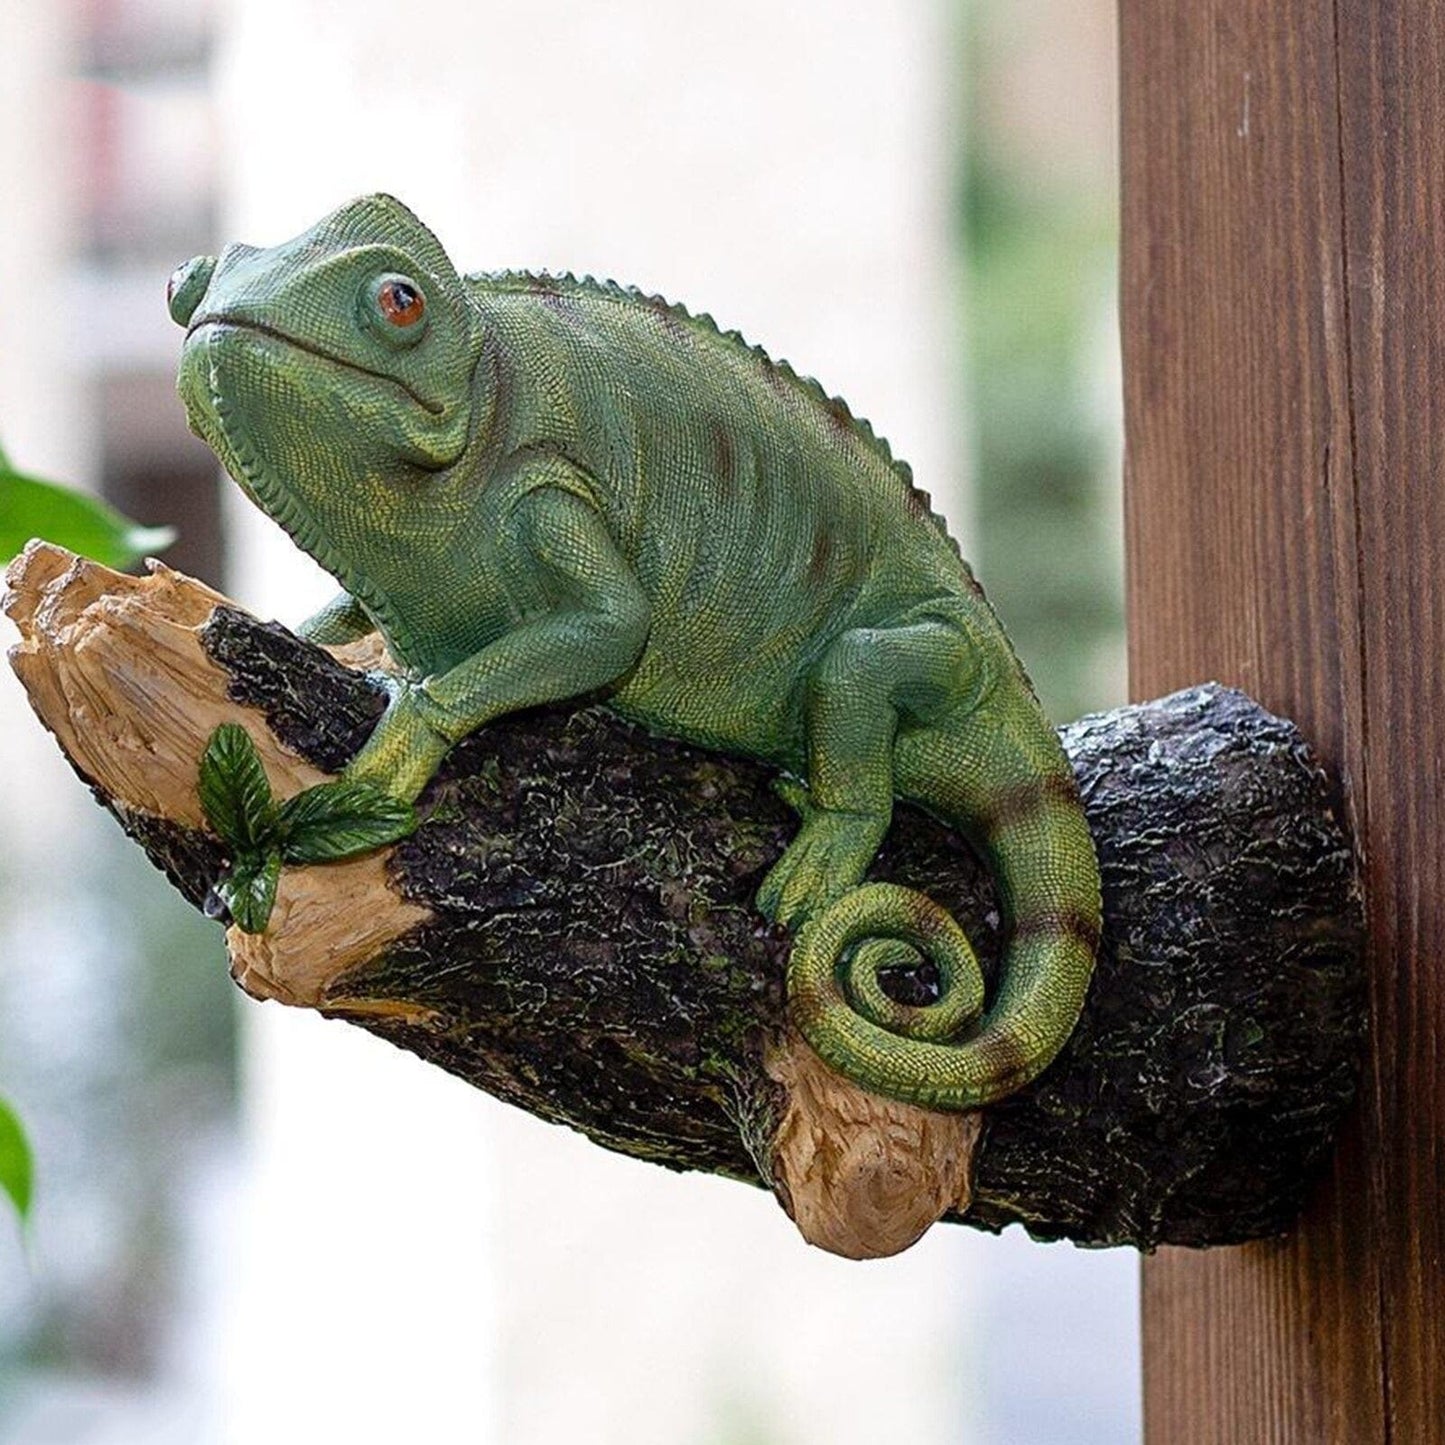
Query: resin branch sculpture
point(572, 929)
point(539, 492)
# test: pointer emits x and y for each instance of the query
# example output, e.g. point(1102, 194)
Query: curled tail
point(1006, 783)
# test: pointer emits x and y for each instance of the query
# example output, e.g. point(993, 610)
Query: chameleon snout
point(187, 285)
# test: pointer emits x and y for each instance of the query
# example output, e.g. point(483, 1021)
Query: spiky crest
point(836, 406)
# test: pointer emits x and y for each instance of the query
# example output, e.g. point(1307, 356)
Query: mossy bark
point(593, 955)
point(572, 928)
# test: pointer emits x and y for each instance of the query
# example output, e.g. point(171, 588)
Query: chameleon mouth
point(215, 319)
point(223, 428)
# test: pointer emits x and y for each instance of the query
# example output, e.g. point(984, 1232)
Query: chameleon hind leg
point(870, 680)
point(971, 745)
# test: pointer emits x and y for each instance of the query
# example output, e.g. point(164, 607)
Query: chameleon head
point(332, 374)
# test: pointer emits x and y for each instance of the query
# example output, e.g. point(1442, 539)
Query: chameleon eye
point(400, 301)
point(393, 308)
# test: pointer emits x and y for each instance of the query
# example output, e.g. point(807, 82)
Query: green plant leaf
point(249, 891)
point(16, 1165)
point(235, 796)
point(32, 508)
point(335, 820)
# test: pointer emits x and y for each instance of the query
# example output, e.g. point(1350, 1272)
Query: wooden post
point(1284, 348)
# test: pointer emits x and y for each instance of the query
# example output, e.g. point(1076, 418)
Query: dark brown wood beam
point(1283, 290)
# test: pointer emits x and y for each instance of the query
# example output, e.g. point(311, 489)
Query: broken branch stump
point(572, 929)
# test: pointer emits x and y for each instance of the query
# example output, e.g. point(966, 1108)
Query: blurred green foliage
point(84, 524)
point(32, 508)
point(15, 1163)
point(1039, 262)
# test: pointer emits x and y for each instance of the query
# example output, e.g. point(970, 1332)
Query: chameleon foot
point(827, 858)
point(405, 748)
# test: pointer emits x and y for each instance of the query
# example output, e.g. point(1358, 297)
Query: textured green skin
point(553, 488)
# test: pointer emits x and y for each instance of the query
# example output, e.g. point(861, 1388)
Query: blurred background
point(255, 1226)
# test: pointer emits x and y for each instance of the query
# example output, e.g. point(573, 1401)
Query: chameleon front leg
point(342, 620)
point(587, 625)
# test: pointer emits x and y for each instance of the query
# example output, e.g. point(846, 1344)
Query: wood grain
point(1282, 277)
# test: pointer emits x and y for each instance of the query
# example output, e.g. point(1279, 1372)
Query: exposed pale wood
point(861, 1176)
point(327, 921)
point(1283, 286)
point(115, 669)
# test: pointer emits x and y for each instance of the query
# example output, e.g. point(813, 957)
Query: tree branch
point(572, 930)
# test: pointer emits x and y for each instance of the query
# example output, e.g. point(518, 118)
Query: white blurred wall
point(39, 407)
point(42, 411)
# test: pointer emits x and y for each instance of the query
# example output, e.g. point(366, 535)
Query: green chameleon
point(539, 488)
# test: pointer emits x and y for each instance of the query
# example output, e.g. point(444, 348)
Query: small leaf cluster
point(320, 825)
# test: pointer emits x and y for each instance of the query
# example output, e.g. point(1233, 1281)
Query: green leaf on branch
point(319, 825)
point(16, 1165)
point(235, 795)
point(32, 508)
point(336, 820)
point(249, 891)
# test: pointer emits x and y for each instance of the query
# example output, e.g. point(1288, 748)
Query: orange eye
point(400, 302)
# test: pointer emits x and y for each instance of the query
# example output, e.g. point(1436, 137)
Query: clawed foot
point(403, 752)
point(828, 857)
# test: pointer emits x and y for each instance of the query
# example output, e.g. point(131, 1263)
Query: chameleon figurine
point(539, 488)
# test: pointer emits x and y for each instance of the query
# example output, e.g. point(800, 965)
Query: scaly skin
point(541, 488)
